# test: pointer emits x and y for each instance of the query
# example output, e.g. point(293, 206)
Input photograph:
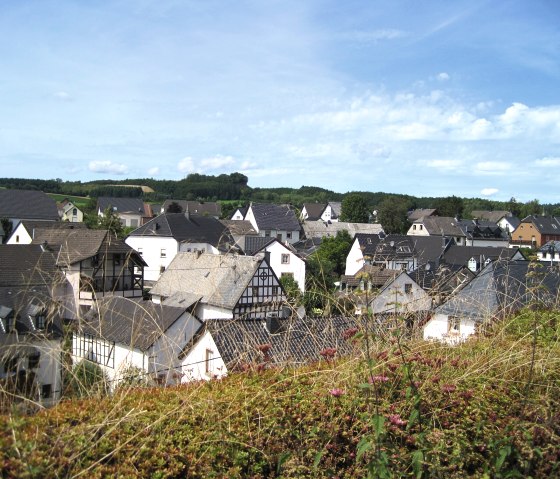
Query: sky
point(430, 98)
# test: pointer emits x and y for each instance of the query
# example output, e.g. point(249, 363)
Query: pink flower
point(328, 353)
point(349, 333)
point(378, 379)
point(448, 388)
point(336, 392)
point(396, 420)
point(264, 348)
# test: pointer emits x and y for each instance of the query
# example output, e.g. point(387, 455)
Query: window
point(285, 259)
point(454, 324)
point(267, 233)
point(414, 227)
point(421, 226)
point(163, 253)
point(289, 235)
point(40, 320)
point(161, 269)
point(275, 291)
point(209, 357)
point(279, 236)
point(17, 238)
point(33, 361)
point(408, 288)
point(134, 223)
point(140, 251)
point(46, 391)
point(255, 292)
point(75, 212)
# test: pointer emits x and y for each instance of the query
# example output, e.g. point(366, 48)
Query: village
point(187, 296)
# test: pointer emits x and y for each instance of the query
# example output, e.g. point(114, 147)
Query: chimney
point(187, 213)
point(44, 246)
point(267, 257)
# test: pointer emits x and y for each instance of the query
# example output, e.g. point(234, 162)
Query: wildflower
point(264, 348)
point(436, 379)
point(448, 388)
point(349, 333)
point(378, 379)
point(336, 392)
point(382, 355)
point(328, 353)
point(467, 394)
point(396, 420)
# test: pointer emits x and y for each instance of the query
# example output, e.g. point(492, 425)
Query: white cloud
point(374, 35)
point(108, 167)
point(62, 95)
point(153, 171)
point(548, 161)
point(246, 165)
point(489, 191)
point(492, 167)
point(186, 165)
point(444, 165)
point(217, 162)
point(443, 76)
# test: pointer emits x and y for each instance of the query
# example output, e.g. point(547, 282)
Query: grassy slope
point(467, 411)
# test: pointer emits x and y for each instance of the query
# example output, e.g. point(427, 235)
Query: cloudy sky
point(429, 98)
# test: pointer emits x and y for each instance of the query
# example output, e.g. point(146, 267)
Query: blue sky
point(428, 98)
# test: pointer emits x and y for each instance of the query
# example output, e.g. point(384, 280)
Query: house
point(226, 286)
point(275, 221)
point(17, 205)
point(321, 229)
point(227, 345)
point(393, 251)
point(504, 219)
point(239, 214)
point(402, 295)
point(135, 339)
point(367, 278)
point(321, 212)
point(161, 238)
point(549, 252)
point(132, 212)
point(208, 208)
point(438, 226)
point(534, 231)
point(282, 257)
point(483, 233)
point(68, 211)
point(420, 213)
point(239, 230)
point(26, 230)
point(477, 257)
point(95, 264)
point(31, 325)
point(499, 290)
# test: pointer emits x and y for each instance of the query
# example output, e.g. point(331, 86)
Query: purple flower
point(396, 420)
point(336, 392)
point(328, 353)
point(378, 379)
point(448, 388)
point(349, 333)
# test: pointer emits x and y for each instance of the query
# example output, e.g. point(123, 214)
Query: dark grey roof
point(483, 230)
point(298, 341)
point(81, 244)
point(502, 288)
point(551, 246)
point(492, 216)
point(383, 247)
point(420, 213)
point(134, 322)
point(307, 246)
point(195, 207)
point(336, 207)
point(275, 217)
point(188, 229)
point(460, 255)
point(514, 221)
point(314, 210)
point(26, 204)
point(254, 244)
point(548, 225)
point(243, 210)
point(218, 279)
point(441, 225)
point(32, 226)
point(376, 276)
point(27, 265)
point(121, 205)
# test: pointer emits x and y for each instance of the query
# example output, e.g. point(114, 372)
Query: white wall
point(355, 259)
point(296, 265)
point(395, 299)
point(417, 229)
point(19, 236)
point(194, 365)
point(437, 328)
point(150, 247)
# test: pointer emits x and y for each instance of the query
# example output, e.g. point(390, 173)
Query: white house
point(282, 257)
point(132, 212)
point(69, 212)
point(402, 295)
point(160, 239)
point(224, 286)
point(27, 230)
point(275, 221)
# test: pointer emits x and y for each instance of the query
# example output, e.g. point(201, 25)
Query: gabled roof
point(492, 216)
point(121, 205)
point(336, 208)
point(503, 287)
point(26, 204)
point(460, 255)
point(298, 340)
point(424, 248)
point(82, 244)
point(135, 323)
point(320, 229)
point(550, 247)
point(218, 279)
point(547, 225)
point(188, 229)
point(441, 226)
point(27, 265)
point(420, 213)
point(307, 246)
point(254, 244)
point(314, 210)
point(375, 275)
point(239, 227)
point(33, 226)
point(275, 217)
point(195, 207)
point(243, 210)
point(481, 229)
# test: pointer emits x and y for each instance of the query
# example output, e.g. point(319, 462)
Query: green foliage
point(7, 228)
point(392, 214)
point(452, 206)
point(355, 209)
point(109, 221)
point(174, 207)
point(291, 287)
point(86, 379)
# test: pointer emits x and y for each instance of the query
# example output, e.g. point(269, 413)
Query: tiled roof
point(31, 226)
point(27, 265)
point(336, 208)
point(548, 225)
point(298, 341)
point(82, 244)
point(420, 213)
point(24, 204)
point(218, 279)
point(485, 230)
point(121, 205)
point(314, 210)
point(504, 287)
point(243, 210)
point(188, 229)
point(492, 216)
point(320, 229)
point(377, 276)
point(275, 217)
point(133, 322)
point(195, 207)
point(424, 248)
point(239, 227)
point(254, 244)
point(441, 225)
point(460, 255)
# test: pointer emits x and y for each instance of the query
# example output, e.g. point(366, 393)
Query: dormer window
point(40, 321)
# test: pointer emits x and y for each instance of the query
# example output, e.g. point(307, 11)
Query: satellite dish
point(428, 267)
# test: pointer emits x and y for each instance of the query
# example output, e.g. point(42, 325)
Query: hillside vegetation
point(486, 408)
